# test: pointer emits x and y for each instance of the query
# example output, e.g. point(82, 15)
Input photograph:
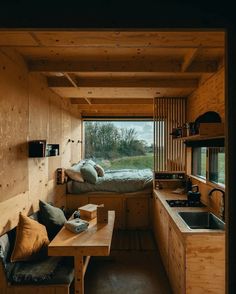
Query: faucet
point(222, 209)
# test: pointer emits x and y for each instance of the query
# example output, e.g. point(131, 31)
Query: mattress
point(120, 181)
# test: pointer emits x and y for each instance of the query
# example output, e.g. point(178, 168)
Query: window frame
point(205, 180)
point(109, 118)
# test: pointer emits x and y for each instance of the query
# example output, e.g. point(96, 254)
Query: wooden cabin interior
point(51, 82)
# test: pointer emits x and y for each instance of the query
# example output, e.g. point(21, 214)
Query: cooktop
point(185, 203)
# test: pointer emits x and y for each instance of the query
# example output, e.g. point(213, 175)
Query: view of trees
point(105, 140)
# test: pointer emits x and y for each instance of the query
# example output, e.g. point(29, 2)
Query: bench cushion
point(31, 240)
point(53, 270)
point(52, 217)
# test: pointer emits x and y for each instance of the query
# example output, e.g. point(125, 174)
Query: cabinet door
point(163, 223)
point(160, 228)
point(176, 265)
point(137, 213)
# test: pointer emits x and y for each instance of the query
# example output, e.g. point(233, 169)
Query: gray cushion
point(52, 217)
point(53, 270)
point(6, 246)
point(89, 173)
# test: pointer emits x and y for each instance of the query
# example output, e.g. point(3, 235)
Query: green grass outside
point(133, 162)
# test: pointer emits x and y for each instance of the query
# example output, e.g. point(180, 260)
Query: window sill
point(206, 182)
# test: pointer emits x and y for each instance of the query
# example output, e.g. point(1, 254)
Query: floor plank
point(133, 267)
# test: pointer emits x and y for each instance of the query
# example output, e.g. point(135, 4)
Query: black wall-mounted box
point(37, 148)
point(40, 148)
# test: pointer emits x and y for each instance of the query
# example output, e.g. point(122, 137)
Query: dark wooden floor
point(134, 267)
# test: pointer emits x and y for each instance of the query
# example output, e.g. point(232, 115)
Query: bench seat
point(53, 273)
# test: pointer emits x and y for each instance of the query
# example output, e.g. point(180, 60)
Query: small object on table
point(88, 211)
point(76, 225)
point(102, 214)
point(76, 214)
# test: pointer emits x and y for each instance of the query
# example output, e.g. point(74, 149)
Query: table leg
point(79, 276)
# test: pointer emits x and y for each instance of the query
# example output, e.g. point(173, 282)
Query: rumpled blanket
point(36, 271)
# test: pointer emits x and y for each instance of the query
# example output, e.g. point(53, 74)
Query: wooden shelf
point(169, 180)
point(199, 138)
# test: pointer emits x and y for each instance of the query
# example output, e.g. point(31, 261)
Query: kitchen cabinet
point(161, 225)
point(193, 259)
point(176, 258)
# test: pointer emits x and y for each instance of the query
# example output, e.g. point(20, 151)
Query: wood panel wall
point(31, 111)
point(210, 96)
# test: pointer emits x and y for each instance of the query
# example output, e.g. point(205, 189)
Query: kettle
point(194, 194)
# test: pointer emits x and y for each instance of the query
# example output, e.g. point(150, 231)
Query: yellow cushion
point(31, 239)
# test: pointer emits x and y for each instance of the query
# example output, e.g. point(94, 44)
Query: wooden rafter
point(130, 66)
point(123, 83)
point(114, 101)
point(74, 84)
point(189, 58)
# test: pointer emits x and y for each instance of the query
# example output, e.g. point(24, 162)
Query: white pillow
point(74, 175)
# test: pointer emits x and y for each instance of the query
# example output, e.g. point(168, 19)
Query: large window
point(119, 144)
point(209, 163)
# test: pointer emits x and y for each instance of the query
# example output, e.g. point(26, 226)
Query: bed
point(128, 192)
point(119, 181)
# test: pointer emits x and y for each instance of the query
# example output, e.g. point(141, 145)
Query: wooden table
point(95, 241)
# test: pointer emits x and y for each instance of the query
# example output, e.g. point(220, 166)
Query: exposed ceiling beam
point(115, 101)
point(115, 108)
point(131, 66)
point(57, 82)
point(134, 93)
point(189, 58)
point(73, 82)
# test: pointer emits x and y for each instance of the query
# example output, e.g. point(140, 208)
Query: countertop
point(166, 194)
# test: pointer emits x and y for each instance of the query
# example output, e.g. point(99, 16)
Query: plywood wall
point(30, 111)
point(210, 96)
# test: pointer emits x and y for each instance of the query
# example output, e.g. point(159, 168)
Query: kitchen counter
point(165, 194)
point(194, 259)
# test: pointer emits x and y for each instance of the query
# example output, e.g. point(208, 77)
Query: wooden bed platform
point(132, 209)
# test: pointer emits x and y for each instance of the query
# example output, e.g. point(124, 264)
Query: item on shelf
point(88, 211)
point(178, 175)
point(176, 132)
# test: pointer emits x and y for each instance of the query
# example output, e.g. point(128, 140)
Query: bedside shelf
point(40, 148)
point(199, 138)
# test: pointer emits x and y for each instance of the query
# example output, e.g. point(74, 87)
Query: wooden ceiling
point(119, 72)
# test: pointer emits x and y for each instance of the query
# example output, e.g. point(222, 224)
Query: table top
point(95, 241)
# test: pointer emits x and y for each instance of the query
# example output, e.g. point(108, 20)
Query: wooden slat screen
point(169, 153)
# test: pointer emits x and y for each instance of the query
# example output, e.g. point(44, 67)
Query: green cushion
point(89, 173)
point(52, 217)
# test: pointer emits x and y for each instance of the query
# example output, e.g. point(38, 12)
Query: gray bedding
point(121, 181)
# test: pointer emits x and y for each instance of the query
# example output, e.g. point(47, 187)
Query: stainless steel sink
point(202, 220)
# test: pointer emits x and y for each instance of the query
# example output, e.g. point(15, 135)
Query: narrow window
point(199, 162)
point(217, 165)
